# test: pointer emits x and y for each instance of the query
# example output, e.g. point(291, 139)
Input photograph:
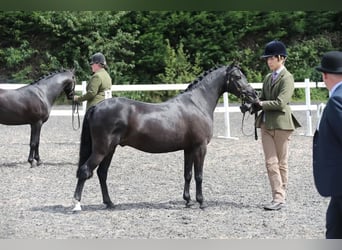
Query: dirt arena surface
point(36, 203)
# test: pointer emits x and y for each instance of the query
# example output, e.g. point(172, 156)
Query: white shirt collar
point(280, 69)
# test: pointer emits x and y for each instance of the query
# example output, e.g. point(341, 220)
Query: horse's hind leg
point(83, 174)
point(34, 143)
point(78, 195)
point(102, 173)
point(85, 171)
point(188, 162)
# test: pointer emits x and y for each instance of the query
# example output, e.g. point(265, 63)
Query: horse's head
point(238, 85)
point(69, 87)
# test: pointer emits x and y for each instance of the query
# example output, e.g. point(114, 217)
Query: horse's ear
point(236, 63)
point(76, 65)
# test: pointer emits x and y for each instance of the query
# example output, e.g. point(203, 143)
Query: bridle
point(232, 83)
point(75, 108)
point(233, 79)
point(255, 128)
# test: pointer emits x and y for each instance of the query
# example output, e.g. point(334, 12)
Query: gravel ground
point(36, 203)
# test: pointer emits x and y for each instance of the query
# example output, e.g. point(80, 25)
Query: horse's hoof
point(189, 204)
point(203, 206)
point(39, 163)
point(77, 209)
point(77, 206)
point(110, 205)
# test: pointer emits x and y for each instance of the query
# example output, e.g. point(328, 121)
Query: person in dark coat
point(327, 144)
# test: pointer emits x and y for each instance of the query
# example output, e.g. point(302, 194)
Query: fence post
point(308, 108)
point(84, 90)
point(226, 118)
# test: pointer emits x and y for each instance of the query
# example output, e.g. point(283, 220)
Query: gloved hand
point(245, 107)
point(255, 107)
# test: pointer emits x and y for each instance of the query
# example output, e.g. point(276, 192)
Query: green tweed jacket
point(276, 97)
point(98, 84)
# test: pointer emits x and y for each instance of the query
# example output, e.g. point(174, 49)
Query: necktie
point(274, 76)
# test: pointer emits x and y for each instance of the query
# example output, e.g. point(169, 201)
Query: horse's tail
point(86, 141)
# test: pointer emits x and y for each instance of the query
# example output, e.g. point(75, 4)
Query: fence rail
point(226, 109)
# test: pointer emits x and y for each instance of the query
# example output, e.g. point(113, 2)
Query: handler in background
point(327, 144)
point(276, 121)
point(100, 83)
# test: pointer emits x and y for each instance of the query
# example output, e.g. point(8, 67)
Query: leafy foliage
point(162, 46)
point(178, 69)
point(49, 40)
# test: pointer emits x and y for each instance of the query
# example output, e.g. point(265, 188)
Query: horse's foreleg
point(102, 173)
point(198, 166)
point(188, 162)
point(34, 143)
point(30, 158)
point(36, 152)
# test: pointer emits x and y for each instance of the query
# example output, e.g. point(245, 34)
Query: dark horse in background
point(32, 104)
point(184, 122)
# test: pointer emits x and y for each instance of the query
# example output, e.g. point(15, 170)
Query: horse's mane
point(194, 84)
point(50, 75)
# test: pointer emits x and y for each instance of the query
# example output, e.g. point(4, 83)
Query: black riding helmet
point(274, 48)
point(98, 58)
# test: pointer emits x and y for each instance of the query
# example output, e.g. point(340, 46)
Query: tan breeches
point(275, 144)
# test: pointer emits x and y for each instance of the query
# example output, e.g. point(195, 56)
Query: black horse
point(32, 104)
point(184, 122)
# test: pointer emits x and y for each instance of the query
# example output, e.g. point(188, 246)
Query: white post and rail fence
point(226, 109)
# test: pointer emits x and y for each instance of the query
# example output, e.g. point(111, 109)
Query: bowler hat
point(331, 63)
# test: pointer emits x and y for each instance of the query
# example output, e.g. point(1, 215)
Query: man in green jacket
point(276, 121)
point(100, 83)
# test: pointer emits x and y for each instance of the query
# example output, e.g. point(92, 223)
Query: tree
point(42, 41)
point(35, 43)
point(178, 69)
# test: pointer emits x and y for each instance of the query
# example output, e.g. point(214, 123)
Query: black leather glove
point(245, 107)
point(255, 108)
